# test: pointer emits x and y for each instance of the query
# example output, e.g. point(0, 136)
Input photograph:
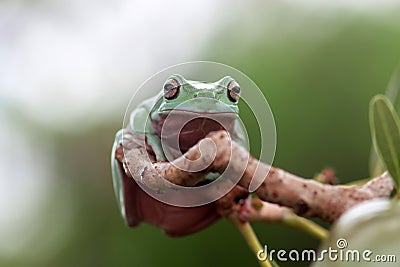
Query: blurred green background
point(68, 69)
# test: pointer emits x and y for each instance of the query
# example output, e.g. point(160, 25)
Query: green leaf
point(393, 88)
point(385, 130)
point(393, 94)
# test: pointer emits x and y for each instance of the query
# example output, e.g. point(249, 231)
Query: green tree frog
point(168, 124)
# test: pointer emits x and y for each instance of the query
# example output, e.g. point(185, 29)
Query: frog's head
point(192, 109)
point(201, 97)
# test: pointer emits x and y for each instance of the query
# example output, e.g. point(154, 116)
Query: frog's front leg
point(138, 159)
point(154, 142)
point(132, 164)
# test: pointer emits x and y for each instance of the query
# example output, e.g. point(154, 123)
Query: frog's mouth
point(183, 129)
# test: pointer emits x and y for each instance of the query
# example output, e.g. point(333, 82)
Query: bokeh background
point(69, 67)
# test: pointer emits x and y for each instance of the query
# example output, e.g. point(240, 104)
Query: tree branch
point(306, 197)
point(256, 210)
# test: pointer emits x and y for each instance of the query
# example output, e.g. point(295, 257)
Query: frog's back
point(139, 118)
point(138, 124)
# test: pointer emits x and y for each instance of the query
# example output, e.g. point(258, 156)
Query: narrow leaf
point(385, 130)
point(393, 89)
point(393, 94)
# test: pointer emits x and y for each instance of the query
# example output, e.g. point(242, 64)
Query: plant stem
point(248, 233)
point(305, 225)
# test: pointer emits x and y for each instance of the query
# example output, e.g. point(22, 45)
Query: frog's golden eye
point(233, 91)
point(171, 89)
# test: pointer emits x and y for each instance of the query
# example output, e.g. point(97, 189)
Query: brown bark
point(217, 153)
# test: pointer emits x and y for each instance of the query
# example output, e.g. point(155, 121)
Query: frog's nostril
point(208, 94)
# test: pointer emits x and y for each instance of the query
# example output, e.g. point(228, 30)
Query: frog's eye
point(171, 89)
point(233, 91)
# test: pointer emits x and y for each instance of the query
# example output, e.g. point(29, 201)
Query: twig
point(306, 225)
point(304, 196)
point(248, 233)
point(229, 206)
point(257, 210)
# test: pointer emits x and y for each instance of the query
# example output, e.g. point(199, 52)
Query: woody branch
point(218, 152)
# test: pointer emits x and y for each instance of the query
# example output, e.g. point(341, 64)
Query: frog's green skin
point(207, 98)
